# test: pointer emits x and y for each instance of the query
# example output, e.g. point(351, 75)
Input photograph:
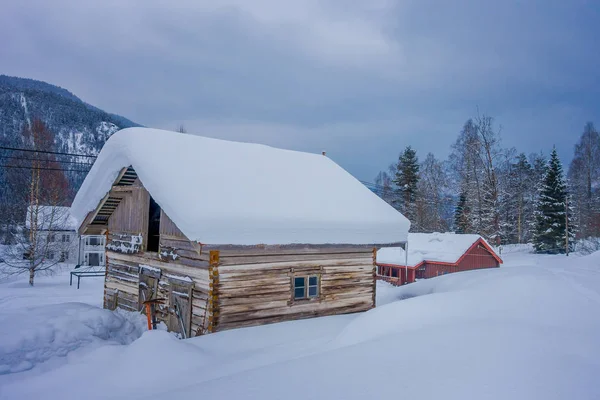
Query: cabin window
point(394, 272)
point(306, 287)
point(153, 226)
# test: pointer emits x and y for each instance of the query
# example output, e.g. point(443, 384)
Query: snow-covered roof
point(223, 192)
point(440, 247)
point(52, 218)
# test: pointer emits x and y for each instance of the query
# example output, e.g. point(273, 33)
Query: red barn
point(434, 254)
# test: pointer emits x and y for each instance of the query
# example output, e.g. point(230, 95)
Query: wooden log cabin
point(232, 234)
point(434, 254)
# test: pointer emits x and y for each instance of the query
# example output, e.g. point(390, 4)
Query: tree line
point(502, 194)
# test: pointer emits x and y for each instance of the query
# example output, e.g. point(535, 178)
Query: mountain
point(78, 127)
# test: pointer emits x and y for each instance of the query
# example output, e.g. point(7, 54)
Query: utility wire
point(45, 168)
point(47, 152)
point(45, 160)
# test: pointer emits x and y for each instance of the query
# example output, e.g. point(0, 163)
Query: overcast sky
point(359, 79)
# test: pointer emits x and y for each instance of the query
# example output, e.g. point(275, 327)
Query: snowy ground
point(527, 330)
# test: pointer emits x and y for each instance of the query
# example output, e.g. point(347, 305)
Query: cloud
point(360, 79)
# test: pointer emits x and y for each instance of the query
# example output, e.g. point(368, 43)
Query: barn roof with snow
point(224, 192)
point(432, 247)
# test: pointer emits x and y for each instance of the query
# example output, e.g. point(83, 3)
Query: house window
point(306, 287)
point(394, 272)
point(51, 237)
point(64, 256)
point(65, 238)
point(92, 241)
point(50, 255)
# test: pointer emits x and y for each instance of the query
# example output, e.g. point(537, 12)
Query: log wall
point(257, 288)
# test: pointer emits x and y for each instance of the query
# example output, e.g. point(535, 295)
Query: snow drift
point(31, 336)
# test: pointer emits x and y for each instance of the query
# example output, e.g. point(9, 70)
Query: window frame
point(306, 286)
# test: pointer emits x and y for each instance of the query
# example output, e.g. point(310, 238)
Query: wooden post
point(374, 276)
point(213, 290)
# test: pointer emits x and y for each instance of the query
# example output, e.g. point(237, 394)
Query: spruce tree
point(552, 211)
point(407, 179)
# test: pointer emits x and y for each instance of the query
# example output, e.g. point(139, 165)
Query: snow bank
point(442, 247)
point(222, 192)
point(34, 335)
point(529, 331)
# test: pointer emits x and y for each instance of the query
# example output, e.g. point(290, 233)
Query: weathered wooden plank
point(254, 299)
point(347, 281)
point(277, 258)
point(113, 284)
point(249, 308)
point(131, 215)
point(262, 274)
point(266, 283)
point(124, 276)
point(128, 296)
point(151, 260)
point(225, 324)
point(120, 280)
point(198, 305)
point(234, 250)
point(250, 291)
point(344, 287)
point(225, 269)
point(366, 268)
point(168, 227)
point(181, 244)
point(297, 308)
point(349, 275)
point(348, 295)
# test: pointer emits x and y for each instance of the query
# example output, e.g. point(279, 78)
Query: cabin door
point(148, 285)
point(180, 308)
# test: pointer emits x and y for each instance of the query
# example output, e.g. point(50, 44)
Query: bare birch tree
point(40, 191)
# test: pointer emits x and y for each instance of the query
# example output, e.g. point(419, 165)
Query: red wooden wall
point(476, 258)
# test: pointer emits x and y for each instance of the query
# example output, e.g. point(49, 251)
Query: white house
point(58, 227)
point(91, 250)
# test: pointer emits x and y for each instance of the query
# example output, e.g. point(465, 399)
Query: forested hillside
point(54, 126)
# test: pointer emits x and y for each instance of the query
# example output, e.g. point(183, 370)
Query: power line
point(47, 152)
point(45, 160)
point(45, 168)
